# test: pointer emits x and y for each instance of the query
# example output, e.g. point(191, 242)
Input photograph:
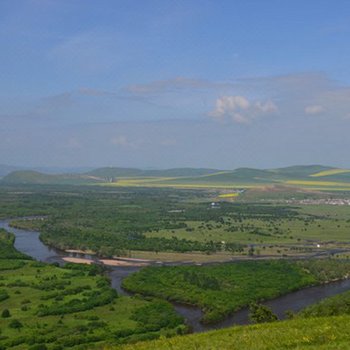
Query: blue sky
point(174, 83)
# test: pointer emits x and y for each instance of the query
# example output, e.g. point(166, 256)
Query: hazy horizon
point(164, 84)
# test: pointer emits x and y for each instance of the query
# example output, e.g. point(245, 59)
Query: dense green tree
point(5, 313)
point(259, 313)
point(15, 324)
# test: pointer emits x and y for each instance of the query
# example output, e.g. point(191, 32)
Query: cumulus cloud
point(243, 101)
point(266, 107)
point(240, 110)
point(314, 109)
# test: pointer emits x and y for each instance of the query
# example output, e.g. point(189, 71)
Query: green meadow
point(164, 222)
point(44, 306)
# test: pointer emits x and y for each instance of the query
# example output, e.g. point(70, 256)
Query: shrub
point(15, 324)
point(260, 313)
point(5, 313)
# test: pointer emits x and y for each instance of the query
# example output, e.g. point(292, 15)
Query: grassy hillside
point(313, 176)
point(332, 333)
point(100, 175)
point(6, 169)
point(301, 171)
point(293, 177)
point(242, 175)
point(114, 173)
point(111, 173)
point(35, 177)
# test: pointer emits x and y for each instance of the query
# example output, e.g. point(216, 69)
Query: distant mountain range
point(7, 169)
point(293, 175)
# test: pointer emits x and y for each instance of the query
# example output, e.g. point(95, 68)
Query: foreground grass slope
point(332, 333)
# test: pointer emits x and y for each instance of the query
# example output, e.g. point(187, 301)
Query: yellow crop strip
point(228, 195)
point(317, 183)
point(330, 172)
point(160, 184)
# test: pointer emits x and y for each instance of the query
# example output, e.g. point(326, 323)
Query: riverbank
point(29, 243)
point(259, 251)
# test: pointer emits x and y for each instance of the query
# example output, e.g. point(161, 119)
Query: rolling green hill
point(309, 176)
point(113, 173)
point(6, 169)
point(301, 171)
point(37, 178)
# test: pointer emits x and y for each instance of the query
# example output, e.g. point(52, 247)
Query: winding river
point(29, 243)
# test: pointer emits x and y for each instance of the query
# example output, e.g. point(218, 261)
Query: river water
point(29, 243)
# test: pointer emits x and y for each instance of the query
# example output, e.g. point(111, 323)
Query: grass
point(32, 287)
point(331, 333)
point(195, 257)
point(321, 223)
point(72, 307)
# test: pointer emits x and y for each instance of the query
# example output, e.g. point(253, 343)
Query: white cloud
point(314, 109)
point(266, 107)
point(240, 110)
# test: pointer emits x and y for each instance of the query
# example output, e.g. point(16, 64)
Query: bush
point(15, 324)
point(38, 347)
point(260, 313)
point(5, 313)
